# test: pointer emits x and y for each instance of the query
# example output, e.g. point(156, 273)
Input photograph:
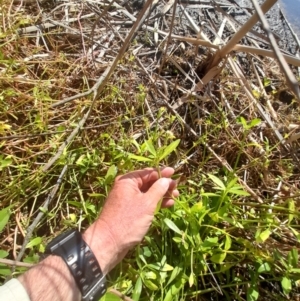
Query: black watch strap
point(82, 263)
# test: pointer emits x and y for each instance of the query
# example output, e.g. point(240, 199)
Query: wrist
point(103, 245)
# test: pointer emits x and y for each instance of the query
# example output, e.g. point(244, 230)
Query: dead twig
point(241, 33)
point(40, 215)
point(289, 76)
point(249, 49)
point(16, 263)
point(120, 295)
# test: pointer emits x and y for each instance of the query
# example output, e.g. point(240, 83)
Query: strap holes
point(79, 273)
point(74, 266)
point(91, 261)
point(70, 257)
point(82, 280)
point(94, 268)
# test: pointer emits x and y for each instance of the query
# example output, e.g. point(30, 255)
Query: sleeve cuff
point(13, 290)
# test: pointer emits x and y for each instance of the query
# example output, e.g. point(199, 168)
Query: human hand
point(128, 213)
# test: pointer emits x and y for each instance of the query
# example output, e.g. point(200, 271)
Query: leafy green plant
point(4, 217)
point(154, 156)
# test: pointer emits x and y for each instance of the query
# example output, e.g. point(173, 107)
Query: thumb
point(156, 192)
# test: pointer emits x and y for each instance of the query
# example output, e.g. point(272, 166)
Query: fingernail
point(175, 193)
point(165, 182)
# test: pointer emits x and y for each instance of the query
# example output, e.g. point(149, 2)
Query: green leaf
point(233, 222)
point(286, 284)
point(254, 122)
point(256, 94)
point(110, 175)
point(152, 286)
point(32, 259)
point(172, 226)
point(34, 242)
point(3, 254)
point(228, 243)
point(218, 258)
point(296, 271)
point(210, 194)
point(214, 216)
point(263, 236)
point(150, 275)
point(4, 217)
point(265, 267)
point(4, 127)
point(96, 195)
point(76, 204)
point(232, 183)
point(252, 293)
point(191, 279)
point(210, 242)
point(198, 207)
point(291, 210)
point(169, 149)
point(177, 239)
point(238, 191)
point(81, 160)
point(174, 290)
point(294, 257)
point(266, 81)
point(217, 181)
point(150, 147)
point(175, 273)
point(139, 158)
point(242, 121)
point(5, 162)
point(134, 142)
point(137, 289)
point(226, 266)
point(4, 270)
point(296, 233)
point(146, 251)
point(161, 267)
point(166, 268)
point(110, 297)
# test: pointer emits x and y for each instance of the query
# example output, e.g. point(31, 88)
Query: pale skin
point(124, 221)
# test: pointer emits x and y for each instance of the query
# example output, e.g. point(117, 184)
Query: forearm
point(51, 280)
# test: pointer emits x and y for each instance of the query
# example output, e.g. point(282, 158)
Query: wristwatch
point(81, 262)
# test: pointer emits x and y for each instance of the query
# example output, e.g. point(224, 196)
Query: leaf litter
point(81, 80)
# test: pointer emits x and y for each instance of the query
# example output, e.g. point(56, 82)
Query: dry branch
point(291, 80)
point(241, 33)
point(40, 215)
point(15, 263)
point(231, 20)
point(291, 29)
point(248, 49)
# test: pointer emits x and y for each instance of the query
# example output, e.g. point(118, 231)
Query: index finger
point(146, 176)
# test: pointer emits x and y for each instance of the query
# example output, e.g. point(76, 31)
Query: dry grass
point(89, 86)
